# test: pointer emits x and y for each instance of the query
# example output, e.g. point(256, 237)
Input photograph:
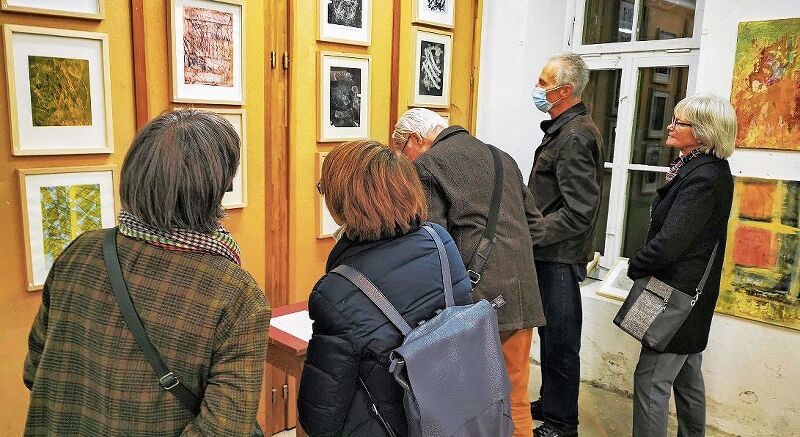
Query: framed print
point(446, 116)
point(617, 284)
point(660, 113)
point(59, 204)
point(344, 96)
point(59, 91)
point(435, 12)
point(345, 21)
point(433, 53)
point(207, 41)
point(326, 225)
point(651, 179)
point(236, 197)
point(94, 9)
point(662, 75)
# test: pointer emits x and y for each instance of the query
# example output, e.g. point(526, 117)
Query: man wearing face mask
point(566, 182)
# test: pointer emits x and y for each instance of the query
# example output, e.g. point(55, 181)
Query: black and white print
point(436, 5)
point(345, 21)
point(434, 12)
point(345, 12)
point(431, 69)
point(345, 97)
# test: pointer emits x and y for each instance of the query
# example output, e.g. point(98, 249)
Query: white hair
point(713, 121)
point(571, 70)
point(421, 121)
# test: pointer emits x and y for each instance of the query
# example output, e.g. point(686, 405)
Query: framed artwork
point(761, 271)
point(433, 53)
point(446, 116)
point(617, 284)
point(660, 113)
point(236, 197)
point(765, 89)
point(207, 41)
point(345, 21)
point(435, 12)
point(59, 91)
point(650, 179)
point(326, 225)
point(94, 9)
point(344, 96)
point(662, 74)
point(59, 204)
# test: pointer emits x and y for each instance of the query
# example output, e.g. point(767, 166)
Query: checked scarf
point(680, 162)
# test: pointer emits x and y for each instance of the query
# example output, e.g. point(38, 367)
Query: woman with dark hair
point(376, 196)
point(205, 315)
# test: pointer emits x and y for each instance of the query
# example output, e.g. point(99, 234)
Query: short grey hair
point(713, 121)
point(421, 121)
point(572, 70)
point(177, 170)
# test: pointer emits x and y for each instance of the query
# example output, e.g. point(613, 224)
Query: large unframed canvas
point(761, 272)
point(766, 84)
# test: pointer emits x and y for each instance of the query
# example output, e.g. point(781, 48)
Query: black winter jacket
point(688, 217)
point(352, 338)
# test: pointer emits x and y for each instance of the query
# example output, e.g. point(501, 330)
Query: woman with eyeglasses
point(688, 226)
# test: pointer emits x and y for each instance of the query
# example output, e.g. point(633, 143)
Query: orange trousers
point(516, 353)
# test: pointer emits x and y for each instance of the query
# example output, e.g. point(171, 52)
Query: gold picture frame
point(31, 8)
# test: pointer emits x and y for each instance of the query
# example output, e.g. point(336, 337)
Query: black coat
point(689, 215)
point(352, 338)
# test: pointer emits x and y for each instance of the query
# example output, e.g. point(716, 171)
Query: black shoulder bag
point(166, 379)
point(486, 244)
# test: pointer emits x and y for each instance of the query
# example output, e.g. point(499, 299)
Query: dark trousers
point(560, 341)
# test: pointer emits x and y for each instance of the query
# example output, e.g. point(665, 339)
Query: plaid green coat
point(205, 315)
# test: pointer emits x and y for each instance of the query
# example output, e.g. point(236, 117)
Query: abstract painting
point(207, 51)
point(345, 21)
point(766, 84)
point(761, 272)
point(60, 204)
point(94, 9)
point(432, 60)
point(344, 106)
point(434, 12)
point(60, 91)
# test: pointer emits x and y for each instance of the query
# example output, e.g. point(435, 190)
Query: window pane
point(660, 88)
point(608, 21)
point(666, 19)
point(601, 96)
point(602, 219)
point(642, 186)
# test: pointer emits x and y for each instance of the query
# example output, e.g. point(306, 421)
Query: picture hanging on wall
point(344, 96)
point(761, 271)
point(59, 91)
point(94, 9)
point(207, 51)
point(433, 53)
point(765, 88)
point(446, 116)
point(59, 204)
point(326, 225)
point(660, 114)
point(345, 21)
point(236, 196)
point(435, 12)
point(651, 180)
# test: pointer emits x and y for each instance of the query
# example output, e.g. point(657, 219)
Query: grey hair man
point(567, 183)
point(457, 174)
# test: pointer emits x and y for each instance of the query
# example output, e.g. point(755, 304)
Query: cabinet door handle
point(274, 395)
point(273, 59)
point(285, 391)
point(285, 60)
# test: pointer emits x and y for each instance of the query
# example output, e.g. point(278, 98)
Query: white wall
point(751, 369)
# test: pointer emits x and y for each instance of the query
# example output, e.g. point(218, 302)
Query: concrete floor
point(603, 414)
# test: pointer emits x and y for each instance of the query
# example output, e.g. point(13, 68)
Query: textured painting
point(345, 97)
point(431, 69)
point(60, 91)
point(345, 12)
point(761, 273)
point(67, 211)
point(766, 84)
point(207, 47)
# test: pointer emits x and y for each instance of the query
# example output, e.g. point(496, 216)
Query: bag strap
point(375, 295)
point(475, 268)
point(374, 410)
point(699, 289)
point(166, 379)
point(447, 280)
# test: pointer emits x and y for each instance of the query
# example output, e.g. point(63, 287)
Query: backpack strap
point(447, 280)
point(375, 295)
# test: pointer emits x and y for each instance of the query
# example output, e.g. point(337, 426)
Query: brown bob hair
point(372, 190)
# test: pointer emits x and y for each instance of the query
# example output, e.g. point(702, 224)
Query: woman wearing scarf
point(204, 314)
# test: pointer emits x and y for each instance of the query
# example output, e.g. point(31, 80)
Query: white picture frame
point(347, 25)
point(72, 193)
point(660, 114)
point(439, 13)
point(237, 196)
point(617, 284)
point(652, 157)
point(92, 9)
point(219, 78)
point(40, 125)
point(344, 99)
point(326, 225)
point(432, 64)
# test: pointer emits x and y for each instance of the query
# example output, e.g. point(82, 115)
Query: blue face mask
point(540, 98)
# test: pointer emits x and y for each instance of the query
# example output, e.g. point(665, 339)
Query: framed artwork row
point(94, 9)
point(344, 99)
point(59, 91)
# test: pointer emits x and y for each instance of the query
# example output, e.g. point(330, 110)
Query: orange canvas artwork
point(766, 84)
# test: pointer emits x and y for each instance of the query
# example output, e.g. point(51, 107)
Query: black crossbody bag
point(486, 244)
point(166, 378)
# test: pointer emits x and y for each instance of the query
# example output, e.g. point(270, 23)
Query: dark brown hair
point(372, 190)
point(178, 168)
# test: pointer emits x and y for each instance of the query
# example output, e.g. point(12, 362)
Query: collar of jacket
point(552, 126)
point(449, 132)
point(346, 248)
point(684, 171)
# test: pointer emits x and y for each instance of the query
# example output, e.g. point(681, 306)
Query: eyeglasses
point(675, 123)
point(319, 187)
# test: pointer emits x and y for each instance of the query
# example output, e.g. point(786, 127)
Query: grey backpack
point(450, 367)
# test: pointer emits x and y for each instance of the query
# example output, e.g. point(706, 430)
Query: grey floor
point(603, 414)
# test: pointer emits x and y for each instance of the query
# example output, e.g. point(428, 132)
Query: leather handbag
point(168, 380)
point(654, 311)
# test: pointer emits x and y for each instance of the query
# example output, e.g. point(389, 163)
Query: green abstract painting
point(60, 91)
point(68, 211)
